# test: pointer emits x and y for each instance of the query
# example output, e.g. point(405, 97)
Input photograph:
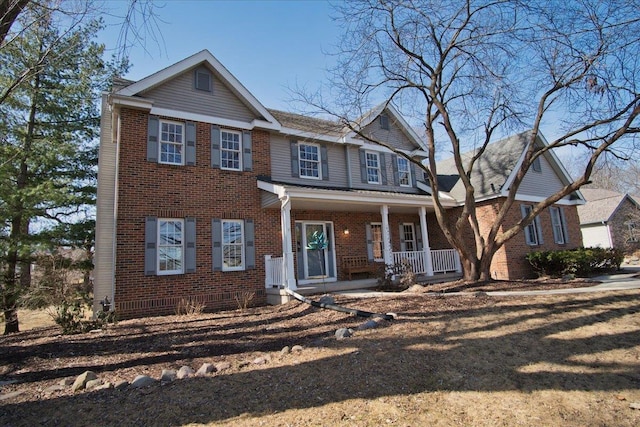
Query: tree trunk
point(10, 303)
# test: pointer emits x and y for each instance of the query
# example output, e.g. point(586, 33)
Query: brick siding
point(152, 189)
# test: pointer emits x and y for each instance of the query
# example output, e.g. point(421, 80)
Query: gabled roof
point(601, 205)
point(495, 170)
point(202, 57)
point(373, 114)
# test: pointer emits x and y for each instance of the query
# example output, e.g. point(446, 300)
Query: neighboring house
point(204, 193)
point(610, 220)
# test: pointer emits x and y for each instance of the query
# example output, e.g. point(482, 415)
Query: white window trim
point(222, 150)
point(558, 226)
point(632, 230)
point(169, 272)
point(182, 144)
point(367, 167)
point(300, 160)
point(242, 265)
point(373, 242)
point(400, 172)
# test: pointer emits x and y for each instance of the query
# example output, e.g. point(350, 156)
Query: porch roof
point(352, 200)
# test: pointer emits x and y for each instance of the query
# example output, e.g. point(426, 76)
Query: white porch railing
point(416, 260)
point(274, 268)
point(445, 260)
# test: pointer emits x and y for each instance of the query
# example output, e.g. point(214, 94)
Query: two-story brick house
point(204, 193)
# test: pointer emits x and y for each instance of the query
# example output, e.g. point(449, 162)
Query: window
point(230, 148)
point(373, 167)
point(309, 160)
point(384, 122)
point(170, 246)
point(632, 231)
point(404, 173)
point(532, 232)
point(232, 245)
point(408, 238)
point(558, 224)
point(536, 165)
point(171, 142)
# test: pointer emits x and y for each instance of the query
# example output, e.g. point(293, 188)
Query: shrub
point(579, 262)
point(396, 278)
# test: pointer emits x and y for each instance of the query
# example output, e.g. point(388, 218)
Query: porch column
point(386, 235)
point(288, 275)
point(425, 240)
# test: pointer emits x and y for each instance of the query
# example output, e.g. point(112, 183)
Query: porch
point(445, 262)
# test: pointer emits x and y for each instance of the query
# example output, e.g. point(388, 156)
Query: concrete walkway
point(622, 280)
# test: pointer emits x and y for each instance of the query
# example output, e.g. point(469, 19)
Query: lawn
point(571, 360)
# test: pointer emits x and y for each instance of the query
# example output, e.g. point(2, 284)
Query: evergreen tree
point(48, 128)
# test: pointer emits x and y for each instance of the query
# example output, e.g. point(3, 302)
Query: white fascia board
point(184, 115)
point(116, 101)
point(270, 187)
point(192, 61)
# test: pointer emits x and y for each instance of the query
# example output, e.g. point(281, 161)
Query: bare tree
point(476, 70)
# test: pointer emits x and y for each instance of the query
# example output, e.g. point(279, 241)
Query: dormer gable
point(202, 86)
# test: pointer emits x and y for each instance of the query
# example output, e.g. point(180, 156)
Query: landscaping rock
point(168, 375)
point(90, 385)
point(82, 379)
point(121, 385)
point(369, 324)
point(222, 366)
point(261, 360)
point(142, 381)
point(185, 372)
point(104, 386)
point(285, 350)
point(326, 299)
point(343, 333)
point(205, 369)
point(67, 381)
point(634, 405)
point(296, 349)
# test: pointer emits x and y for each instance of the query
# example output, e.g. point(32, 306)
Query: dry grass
point(31, 319)
point(570, 360)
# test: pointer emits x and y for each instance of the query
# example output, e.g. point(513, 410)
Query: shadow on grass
point(489, 348)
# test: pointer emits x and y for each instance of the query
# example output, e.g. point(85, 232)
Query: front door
point(315, 264)
point(315, 260)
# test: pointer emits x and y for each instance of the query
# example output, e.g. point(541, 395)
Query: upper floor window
point(559, 225)
point(533, 231)
point(230, 149)
point(171, 142)
point(309, 160)
point(384, 122)
point(404, 172)
point(232, 245)
point(170, 246)
point(373, 167)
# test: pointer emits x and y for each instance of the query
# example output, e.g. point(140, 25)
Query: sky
point(269, 46)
